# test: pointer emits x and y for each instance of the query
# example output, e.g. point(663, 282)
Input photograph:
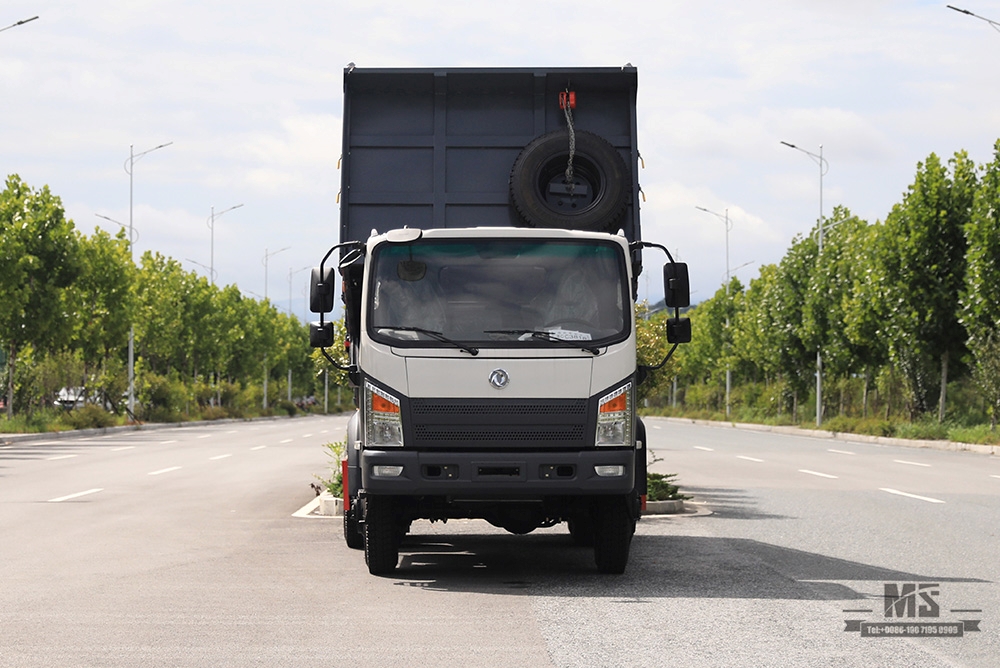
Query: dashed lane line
point(910, 496)
point(124, 447)
point(749, 459)
point(841, 452)
point(903, 461)
point(287, 440)
point(701, 447)
point(76, 496)
point(818, 474)
point(162, 471)
point(258, 447)
point(217, 457)
point(52, 459)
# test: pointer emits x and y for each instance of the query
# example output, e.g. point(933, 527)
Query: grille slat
point(445, 423)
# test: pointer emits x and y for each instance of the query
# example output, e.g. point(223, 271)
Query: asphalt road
point(179, 547)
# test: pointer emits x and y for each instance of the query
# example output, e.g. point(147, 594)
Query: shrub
point(660, 487)
point(214, 413)
point(335, 483)
point(923, 430)
point(287, 406)
point(89, 416)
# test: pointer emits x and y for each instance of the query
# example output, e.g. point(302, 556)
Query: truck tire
point(601, 180)
point(381, 541)
point(352, 528)
point(581, 530)
point(613, 529)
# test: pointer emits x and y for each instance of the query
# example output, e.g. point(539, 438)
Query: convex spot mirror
point(676, 286)
point(321, 290)
point(679, 330)
point(321, 334)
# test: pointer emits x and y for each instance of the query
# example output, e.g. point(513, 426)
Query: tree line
point(905, 312)
point(69, 300)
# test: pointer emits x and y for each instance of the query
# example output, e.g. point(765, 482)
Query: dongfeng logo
point(499, 379)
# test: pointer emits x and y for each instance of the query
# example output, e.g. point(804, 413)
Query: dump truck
point(488, 265)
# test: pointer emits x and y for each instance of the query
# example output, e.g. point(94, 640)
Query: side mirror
point(321, 290)
point(321, 335)
point(679, 330)
point(676, 286)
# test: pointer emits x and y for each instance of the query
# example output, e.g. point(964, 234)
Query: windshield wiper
point(540, 335)
point(434, 335)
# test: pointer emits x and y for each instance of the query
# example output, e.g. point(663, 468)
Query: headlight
point(383, 422)
point(614, 417)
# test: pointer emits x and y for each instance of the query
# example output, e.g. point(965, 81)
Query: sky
point(250, 94)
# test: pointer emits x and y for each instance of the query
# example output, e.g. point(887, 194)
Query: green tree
point(102, 301)
point(980, 298)
point(39, 258)
point(921, 264)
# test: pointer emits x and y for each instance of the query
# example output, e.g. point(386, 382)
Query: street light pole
point(824, 167)
point(993, 24)
point(211, 227)
point(729, 226)
point(19, 23)
point(130, 169)
point(267, 255)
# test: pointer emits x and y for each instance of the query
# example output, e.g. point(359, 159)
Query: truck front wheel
point(381, 541)
point(613, 529)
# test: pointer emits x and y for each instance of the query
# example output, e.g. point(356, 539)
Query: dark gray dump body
point(433, 148)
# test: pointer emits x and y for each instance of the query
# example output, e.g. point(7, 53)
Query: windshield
point(500, 293)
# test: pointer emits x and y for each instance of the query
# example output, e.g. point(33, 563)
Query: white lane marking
point(77, 495)
point(903, 461)
point(841, 452)
point(167, 442)
point(306, 435)
point(911, 496)
point(205, 436)
point(212, 459)
point(233, 432)
point(749, 459)
point(817, 473)
point(6, 447)
point(287, 440)
point(323, 431)
point(994, 476)
point(167, 470)
point(699, 447)
point(259, 447)
point(124, 447)
point(656, 426)
point(52, 459)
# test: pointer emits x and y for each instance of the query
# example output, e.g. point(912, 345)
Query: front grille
point(479, 424)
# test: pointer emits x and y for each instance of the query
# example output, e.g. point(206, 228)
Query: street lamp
point(19, 23)
point(129, 169)
point(211, 227)
point(203, 266)
point(123, 225)
point(291, 273)
point(824, 167)
point(267, 255)
point(729, 226)
point(993, 24)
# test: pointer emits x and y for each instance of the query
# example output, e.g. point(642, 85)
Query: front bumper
point(498, 474)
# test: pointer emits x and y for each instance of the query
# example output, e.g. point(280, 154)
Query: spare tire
point(596, 199)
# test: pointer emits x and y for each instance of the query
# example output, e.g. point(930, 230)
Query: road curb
point(953, 446)
point(8, 439)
